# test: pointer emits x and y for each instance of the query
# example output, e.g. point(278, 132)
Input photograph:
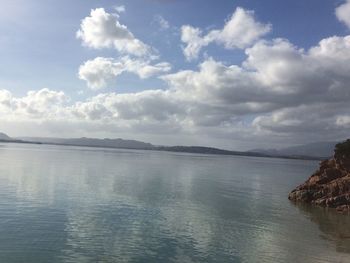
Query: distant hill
point(318, 149)
point(91, 142)
point(4, 137)
point(207, 150)
point(138, 145)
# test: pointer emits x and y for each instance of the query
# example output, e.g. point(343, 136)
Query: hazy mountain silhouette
point(5, 137)
point(92, 142)
point(308, 151)
point(318, 149)
point(133, 144)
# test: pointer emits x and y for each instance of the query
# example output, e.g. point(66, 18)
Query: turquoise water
point(75, 204)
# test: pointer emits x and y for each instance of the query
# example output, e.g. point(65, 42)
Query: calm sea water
point(74, 204)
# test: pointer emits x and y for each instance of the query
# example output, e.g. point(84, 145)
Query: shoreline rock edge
point(329, 186)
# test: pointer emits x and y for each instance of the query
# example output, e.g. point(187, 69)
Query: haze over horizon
point(238, 75)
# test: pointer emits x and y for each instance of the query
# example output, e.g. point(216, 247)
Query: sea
point(80, 204)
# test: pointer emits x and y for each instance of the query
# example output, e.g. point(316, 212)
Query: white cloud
point(280, 93)
point(145, 70)
point(120, 8)
point(162, 22)
point(103, 30)
point(343, 13)
point(343, 121)
point(99, 71)
point(194, 41)
point(5, 100)
point(39, 104)
point(287, 93)
point(152, 105)
point(240, 31)
point(321, 121)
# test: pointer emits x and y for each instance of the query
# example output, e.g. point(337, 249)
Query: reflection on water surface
point(73, 204)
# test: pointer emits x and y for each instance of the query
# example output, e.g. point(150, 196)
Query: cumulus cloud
point(320, 121)
point(5, 99)
point(274, 72)
point(194, 41)
point(43, 103)
point(151, 105)
point(103, 30)
point(288, 89)
point(240, 31)
point(280, 91)
point(100, 30)
point(99, 71)
point(343, 13)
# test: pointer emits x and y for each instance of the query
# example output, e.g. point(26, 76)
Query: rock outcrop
point(329, 186)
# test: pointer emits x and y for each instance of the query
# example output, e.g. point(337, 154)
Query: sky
point(238, 75)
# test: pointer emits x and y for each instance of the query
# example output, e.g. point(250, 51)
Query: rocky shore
point(329, 186)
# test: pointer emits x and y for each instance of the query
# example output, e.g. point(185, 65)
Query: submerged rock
point(329, 186)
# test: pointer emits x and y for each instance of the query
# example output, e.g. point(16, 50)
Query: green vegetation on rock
point(343, 148)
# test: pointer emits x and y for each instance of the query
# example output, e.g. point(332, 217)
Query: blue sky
point(40, 50)
point(39, 47)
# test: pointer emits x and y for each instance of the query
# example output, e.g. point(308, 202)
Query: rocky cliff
point(329, 186)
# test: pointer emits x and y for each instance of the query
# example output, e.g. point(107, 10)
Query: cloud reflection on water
point(134, 206)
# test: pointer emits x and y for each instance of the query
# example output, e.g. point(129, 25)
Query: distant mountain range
point(3, 136)
point(91, 142)
point(319, 150)
point(132, 144)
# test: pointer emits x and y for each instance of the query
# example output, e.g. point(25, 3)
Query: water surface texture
point(75, 204)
